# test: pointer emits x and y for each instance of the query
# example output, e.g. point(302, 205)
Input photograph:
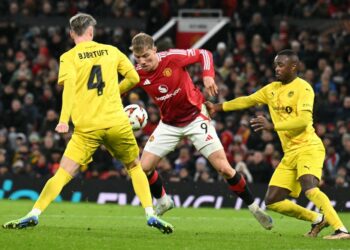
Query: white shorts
point(201, 132)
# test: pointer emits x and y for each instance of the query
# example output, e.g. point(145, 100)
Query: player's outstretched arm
point(235, 104)
point(303, 119)
point(300, 122)
point(131, 80)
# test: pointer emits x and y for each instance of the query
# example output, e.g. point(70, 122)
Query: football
point(137, 116)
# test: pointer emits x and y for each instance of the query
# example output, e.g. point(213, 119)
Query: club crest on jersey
point(167, 72)
point(163, 89)
point(291, 93)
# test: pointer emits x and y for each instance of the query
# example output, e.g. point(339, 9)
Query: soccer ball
point(137, 116)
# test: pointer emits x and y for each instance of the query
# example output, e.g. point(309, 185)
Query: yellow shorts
point(119, 141)
point(298, 163)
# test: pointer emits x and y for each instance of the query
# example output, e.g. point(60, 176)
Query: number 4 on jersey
point(95, 79)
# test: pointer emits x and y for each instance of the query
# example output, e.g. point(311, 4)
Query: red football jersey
point(171, 86)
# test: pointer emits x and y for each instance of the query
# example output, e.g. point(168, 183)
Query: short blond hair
point(80, 22)
point(140, 42)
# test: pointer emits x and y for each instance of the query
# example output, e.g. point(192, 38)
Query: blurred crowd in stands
point(30, 99)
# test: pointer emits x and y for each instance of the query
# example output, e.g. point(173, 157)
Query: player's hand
point(210, 107)
point(213, 108)
point(210, 85)
point(261, 123)
point(62, 128)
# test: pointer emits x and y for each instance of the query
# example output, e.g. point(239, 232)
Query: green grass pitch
point(92, 226)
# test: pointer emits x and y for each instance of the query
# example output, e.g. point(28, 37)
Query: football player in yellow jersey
point(290, 102)
point(91, 99)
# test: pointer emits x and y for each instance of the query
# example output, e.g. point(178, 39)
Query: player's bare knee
point(307, 188)
point(308, 182)
point(147, 168)
point(69, 165)
point(269, 200)
point(148, 171)
point(275, 194)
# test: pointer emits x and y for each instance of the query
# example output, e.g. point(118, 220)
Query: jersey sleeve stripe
point(206, 59)
point(191, 52)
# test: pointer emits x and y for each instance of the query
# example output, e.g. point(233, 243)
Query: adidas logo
point(209, 137)
point(147, 82)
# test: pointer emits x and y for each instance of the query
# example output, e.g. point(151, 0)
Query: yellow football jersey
point(93, 69)
point(285, 102)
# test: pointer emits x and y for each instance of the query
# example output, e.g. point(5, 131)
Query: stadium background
point(34, 33)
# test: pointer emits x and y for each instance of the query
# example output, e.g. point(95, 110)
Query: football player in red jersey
point(164, 77)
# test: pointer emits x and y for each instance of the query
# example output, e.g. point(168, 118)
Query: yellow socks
point(141, 186)
point(289, 208)
point(52, 189)
point(322, 202)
